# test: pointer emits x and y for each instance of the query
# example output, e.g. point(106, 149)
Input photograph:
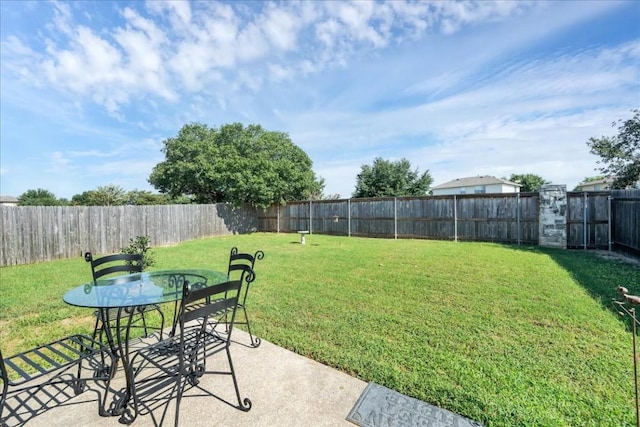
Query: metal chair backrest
point(117, 263)
point(203, 302)
point(241, 267)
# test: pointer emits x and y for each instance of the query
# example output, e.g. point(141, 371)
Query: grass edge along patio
point(501, 334)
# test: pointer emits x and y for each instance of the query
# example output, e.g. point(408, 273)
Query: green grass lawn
point(505, 335)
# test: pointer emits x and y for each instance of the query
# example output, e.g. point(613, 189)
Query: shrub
point(140, 245)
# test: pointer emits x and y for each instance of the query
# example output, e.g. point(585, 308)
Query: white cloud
point(179, 12)
point(89, 153)
point(220, 25)
point(454, 15)
point(62, 18)
point(279, 72)
point(281, 27)
point(15, 47)
point(143, 44)
point(357, 22)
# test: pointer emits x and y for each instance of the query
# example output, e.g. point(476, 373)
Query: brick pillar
point(552, 218)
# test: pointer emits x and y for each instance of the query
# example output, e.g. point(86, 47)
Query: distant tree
point(620, 154)
point(235, 164)
point(39, 197)
point(110, 195)
point(588, 179)
point(389, 179)
point(528, 181)
point(83, 199)
point(144, 197)
point(107, 195)
point(180, 200)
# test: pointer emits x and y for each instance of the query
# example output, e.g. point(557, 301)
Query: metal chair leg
point(255, 341)
point(243, 404)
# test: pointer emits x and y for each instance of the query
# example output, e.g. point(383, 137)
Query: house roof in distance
point(473, 181)
point(605, 180)
point(8, 199)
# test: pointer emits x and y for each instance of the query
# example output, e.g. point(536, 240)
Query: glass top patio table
point(138, 289)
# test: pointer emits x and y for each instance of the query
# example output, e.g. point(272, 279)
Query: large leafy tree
point(528, 181)
point(387, 178)
point(39, 197)
point(620, 154)
point(235, 164)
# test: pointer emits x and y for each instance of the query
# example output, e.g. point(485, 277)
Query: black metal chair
point(122, 264)
point(241, 267)
point(51, 364)
point(183, 356)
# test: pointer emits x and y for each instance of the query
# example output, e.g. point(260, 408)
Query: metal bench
point(46, 365)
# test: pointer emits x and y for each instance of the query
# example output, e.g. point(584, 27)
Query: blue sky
point(89, 90)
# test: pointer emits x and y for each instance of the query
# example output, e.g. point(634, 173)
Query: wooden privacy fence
point(509, 218)
point(595, 220)
point(42, 233)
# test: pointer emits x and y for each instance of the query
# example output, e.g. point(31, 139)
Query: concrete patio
point(285, 390)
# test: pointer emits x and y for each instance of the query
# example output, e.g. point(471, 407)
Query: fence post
point(278, 220)
point(310, 219)
point(609, 237)
point(518, 216)
point(584, 221)
point(395, 218)
point(349, 217)
point(552, 216)
point(455, 218)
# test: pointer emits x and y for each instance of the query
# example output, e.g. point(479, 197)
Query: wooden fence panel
point(268, 219)
point(294, 217)
point(330, 217)
point(372, 217)
point(485, 218)
point(511, 218)
point(529, 221)
point(507, 218)
point(427, 218)
point(42, 233)
point(626, 220)
point(588, 220)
